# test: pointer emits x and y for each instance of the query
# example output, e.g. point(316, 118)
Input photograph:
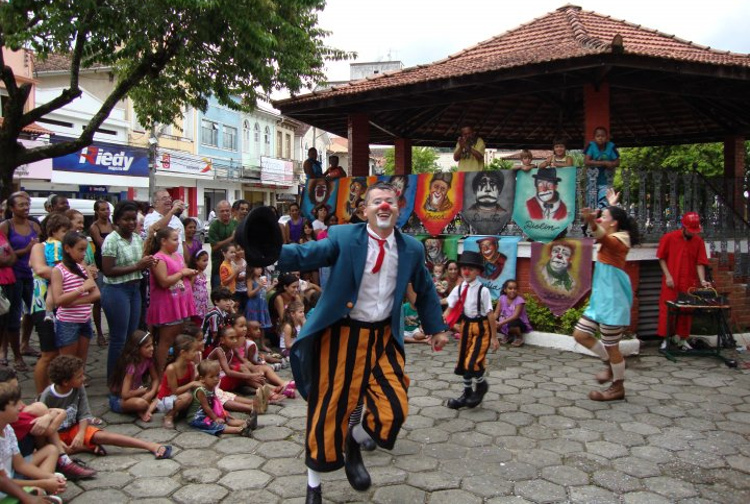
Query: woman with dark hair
point(22, 233)
point(123, 262)
point(293, 227)
point(452, 277)
point(359, 214)
point(611, 297)
point(98, 231)
point(287, 291)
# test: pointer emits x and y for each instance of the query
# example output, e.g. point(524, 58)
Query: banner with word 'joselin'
point(439, 199)
point(545, 202)
point(351, 191)
point(499, 254)
point(406, 188)
point(319, 191)
point(488, 200)
point(561, 272)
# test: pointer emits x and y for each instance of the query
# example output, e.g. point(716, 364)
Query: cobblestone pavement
point(682, 435)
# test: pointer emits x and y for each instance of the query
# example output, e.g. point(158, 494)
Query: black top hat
point(549, 174)
point(471, 259)
point(260, 236)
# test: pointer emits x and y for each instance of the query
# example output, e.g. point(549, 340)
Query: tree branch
point(155, 62)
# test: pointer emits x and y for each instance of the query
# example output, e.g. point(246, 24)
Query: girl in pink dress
point(171, 293)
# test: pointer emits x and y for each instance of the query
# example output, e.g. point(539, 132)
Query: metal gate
point(649, 289)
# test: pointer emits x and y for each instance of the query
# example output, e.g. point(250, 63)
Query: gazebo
point(559, 75)
point(562, 75)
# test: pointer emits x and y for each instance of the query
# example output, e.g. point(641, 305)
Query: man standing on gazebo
point(469, 151)
point(683, 261)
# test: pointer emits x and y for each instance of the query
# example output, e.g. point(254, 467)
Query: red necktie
point(381, 252)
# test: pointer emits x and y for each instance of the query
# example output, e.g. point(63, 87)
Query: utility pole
point(152, 143)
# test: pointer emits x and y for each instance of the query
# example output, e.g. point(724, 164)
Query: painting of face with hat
point(498, 256)
point(439, 199)
point(544, 202)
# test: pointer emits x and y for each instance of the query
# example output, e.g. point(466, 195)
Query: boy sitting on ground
point(67, 393)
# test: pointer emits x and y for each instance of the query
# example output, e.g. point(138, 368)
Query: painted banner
point(439, 199)
point(439, 249)
point(406, 186)
point(545, 202)
point(105, 159)
point(319, 191)
point(488, 200)
point(351, 190)
point(561, 272)
point(499, 256)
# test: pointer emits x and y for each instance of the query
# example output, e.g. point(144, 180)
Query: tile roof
point(567, 33)
point(58, 62)
point(33, 128)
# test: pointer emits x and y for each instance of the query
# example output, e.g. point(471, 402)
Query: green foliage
point(423, 160)
point(708, 158)
point(540, 316)
point(543, 320)
point(499, 164)
point(165, 54)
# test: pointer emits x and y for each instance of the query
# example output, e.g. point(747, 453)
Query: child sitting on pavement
point(67, 393)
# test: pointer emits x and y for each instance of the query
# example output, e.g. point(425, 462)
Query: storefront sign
point(41, 170)
point(92, 189)
point(105, 159)
point(182, 162)
point(276, 171)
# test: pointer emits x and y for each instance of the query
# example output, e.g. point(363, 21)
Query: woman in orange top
point(611, 297)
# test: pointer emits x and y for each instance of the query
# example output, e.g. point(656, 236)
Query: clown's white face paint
point(382, 209)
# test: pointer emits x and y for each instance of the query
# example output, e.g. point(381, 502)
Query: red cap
point(691, 221)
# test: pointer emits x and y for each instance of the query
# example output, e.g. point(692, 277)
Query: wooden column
point(734, 171)
point(595, 109)
point(359, 144)
point(403, 156)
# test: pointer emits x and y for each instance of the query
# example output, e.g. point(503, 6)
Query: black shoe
point(475, 399)
point(368, 444)
point(460, 402)
point(313, 495)
point(355, 469)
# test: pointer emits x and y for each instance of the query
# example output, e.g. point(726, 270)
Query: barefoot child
point(611, 297)
point(179, 379)
point(478, 330)
point(128, 394)
point(241, 361)
point(67, 393)
point(511, 316)
point(206, 413)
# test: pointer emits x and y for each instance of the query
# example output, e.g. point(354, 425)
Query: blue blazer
point(345, 251)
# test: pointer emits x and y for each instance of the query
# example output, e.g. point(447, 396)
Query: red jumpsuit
point(682, 257)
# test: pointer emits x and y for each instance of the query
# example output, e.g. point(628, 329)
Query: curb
point(567, 343)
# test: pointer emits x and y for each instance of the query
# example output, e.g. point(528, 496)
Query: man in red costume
point(683, 261)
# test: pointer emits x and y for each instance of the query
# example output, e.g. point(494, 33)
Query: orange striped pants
point(475, 341)
point(355, 360)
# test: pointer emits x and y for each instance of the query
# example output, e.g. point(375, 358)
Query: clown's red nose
point(384, 206)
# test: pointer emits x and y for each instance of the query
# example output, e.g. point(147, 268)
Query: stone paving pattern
point(682, 435)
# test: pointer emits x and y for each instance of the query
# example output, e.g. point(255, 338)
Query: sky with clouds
point(422, 31)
